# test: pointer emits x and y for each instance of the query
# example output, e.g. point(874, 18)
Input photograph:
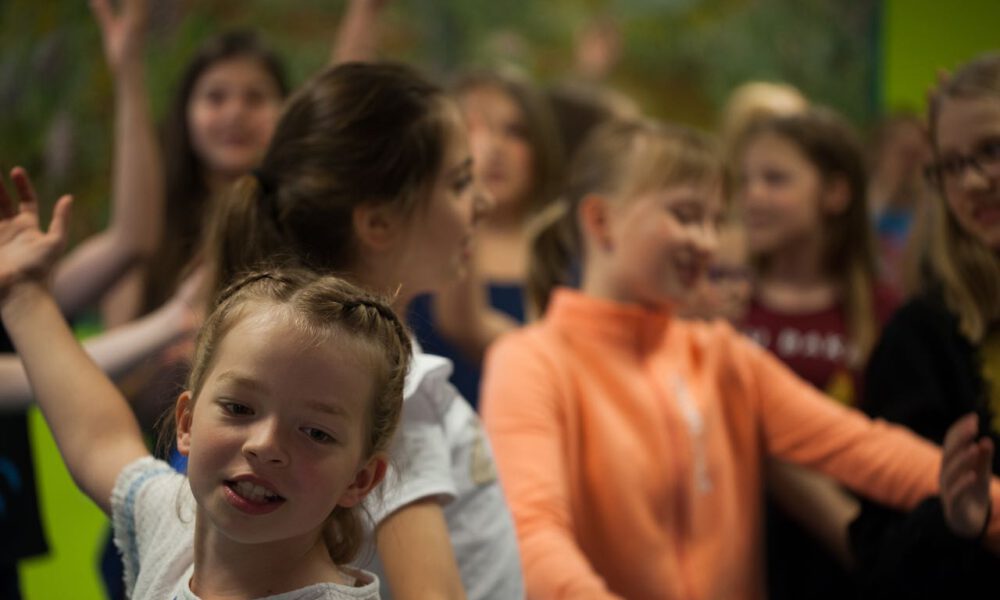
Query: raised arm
point(91, 422)
point(137, 192)
point(357, 37)
point(116, 352)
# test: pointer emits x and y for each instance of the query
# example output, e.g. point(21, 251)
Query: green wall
point(922, 36)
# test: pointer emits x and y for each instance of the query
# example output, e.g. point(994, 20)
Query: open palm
point(25, 251)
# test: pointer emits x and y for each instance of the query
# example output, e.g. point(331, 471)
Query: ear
point(375, 225)
point(183, 413)
point(837, 195)
point(366, 479)
point(593, 214)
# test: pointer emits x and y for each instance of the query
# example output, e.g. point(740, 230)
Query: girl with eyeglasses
point(939, 357)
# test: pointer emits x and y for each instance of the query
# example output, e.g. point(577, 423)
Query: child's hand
point(965, 477)
point(25, 252)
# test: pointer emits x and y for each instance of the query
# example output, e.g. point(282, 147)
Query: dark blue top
point(507, 298)
point(21, 533)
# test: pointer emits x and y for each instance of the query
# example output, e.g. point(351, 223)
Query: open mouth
point(252, 498)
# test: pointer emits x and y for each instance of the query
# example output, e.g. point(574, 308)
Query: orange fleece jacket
point(630, 447)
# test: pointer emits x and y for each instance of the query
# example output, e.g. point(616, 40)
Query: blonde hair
point(621, 158)
point(831, 145)
point(966, 268)
point(320, 305)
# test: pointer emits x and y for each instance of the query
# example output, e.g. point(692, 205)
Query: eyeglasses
point(947, 171)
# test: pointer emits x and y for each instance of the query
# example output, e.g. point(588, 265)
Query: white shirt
point(442, 452)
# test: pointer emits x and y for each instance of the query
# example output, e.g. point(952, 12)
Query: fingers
point(25, 191)
point(60, 219)
point(961, 432)
point(966, 462)
point(103, 13)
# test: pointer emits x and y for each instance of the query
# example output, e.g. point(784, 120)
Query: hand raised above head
point(123, 33)
point(27, 253)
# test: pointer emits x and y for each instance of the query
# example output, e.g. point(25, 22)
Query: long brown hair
point(540, 130)
point(356, 134)
point(622, 158)
point(321, 305)
point(968, 271)
point(187, 195)
point(831, 145)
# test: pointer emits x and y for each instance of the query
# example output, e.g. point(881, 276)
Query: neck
point(598, 281)
point(227, 569)
point(382, 279)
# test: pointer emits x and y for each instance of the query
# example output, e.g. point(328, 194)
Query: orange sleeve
point(884, 462)
point(522, 406)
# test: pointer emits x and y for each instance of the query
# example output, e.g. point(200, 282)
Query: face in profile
point(438, 245)
point(233, 109)
point(968, 164)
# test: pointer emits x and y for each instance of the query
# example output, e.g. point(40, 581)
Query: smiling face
point(276, 439)
point(971, 126)
point(661, 243)
point(439, 237)
point(502, 152)
point(231, 115)
point(780, 192)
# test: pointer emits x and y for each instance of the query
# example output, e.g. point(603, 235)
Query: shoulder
point(925, 317)
point(152, 512)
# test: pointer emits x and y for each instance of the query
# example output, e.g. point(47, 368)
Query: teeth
point(253, 492)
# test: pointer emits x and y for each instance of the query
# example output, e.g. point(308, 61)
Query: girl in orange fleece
point(630, 443)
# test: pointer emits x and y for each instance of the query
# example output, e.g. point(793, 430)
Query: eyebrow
point(232, 377)
point(326, 408)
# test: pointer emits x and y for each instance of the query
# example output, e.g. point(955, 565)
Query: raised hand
point(123, 33)
point(27, 253)
point(965, 477)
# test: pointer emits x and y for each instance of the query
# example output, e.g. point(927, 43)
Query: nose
point(975, 178)
point(483, 201)
point(706, 240)
point(264, 443)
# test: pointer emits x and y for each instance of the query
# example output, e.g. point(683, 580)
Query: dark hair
point(540, 130)
point(356, 134)
point(622, 158)
point(319, 305)
point(967, 269)
point(186, 189)
point(831, 145)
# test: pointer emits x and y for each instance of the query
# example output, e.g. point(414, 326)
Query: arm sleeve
point(521, 403)
point(145, 512)
point(420, 465)
point(883, 462)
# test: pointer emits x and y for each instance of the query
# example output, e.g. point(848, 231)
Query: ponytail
point(555, 245)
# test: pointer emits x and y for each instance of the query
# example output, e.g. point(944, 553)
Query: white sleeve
point(420, 461)
point(144, 509)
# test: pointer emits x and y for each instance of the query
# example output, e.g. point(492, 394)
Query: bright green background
point(917, 36)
